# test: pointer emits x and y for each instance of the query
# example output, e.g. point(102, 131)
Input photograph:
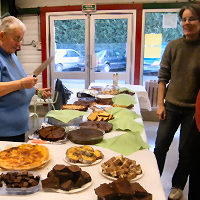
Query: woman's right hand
point(161, 112)
point(28, 82)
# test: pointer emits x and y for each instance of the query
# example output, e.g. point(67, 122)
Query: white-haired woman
point(16, 89)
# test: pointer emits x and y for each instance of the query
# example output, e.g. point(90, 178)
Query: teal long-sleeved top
point(14, 112)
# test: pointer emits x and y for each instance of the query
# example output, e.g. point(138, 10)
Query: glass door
point(90, 48)
point(67, 43)
point(110, 42)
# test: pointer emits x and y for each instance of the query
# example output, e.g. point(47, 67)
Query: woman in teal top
point(16, 89)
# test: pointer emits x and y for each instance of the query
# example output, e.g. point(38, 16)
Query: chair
point(46, 101)
point(61, 95)
point(34, 115)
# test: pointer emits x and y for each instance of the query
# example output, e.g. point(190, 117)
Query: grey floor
point(172, 156)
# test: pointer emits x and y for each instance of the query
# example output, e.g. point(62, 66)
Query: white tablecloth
point(139, 89)
point(150, 180)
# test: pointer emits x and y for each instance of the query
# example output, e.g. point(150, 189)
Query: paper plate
point(113, 178)
point(82, 164)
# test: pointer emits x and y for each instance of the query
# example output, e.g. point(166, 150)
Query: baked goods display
point(104, 99)
point(75, 107)
point(121, 167)
point(100, 116)
point(122, 189)
point(106, 126)
point(127, 92)
point(83, 154)
point(122, 106)
point(85, 135)
point(23, 179)
point(52, 133)
point(66, 178)
point(24, 157)
point(87, 101)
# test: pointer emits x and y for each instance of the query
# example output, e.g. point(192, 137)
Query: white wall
point(29, 56)
point(43, 3)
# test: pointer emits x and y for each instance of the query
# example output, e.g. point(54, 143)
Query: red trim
point(138, 7)
point(138, 46)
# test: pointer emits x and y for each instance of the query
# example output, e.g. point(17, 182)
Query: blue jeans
point(175, 116)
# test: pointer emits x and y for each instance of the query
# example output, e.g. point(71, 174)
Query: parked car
point(108, 60)
point(66, 60)
point(152, 65)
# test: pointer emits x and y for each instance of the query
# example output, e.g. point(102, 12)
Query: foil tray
point(57, 122)
point(35, 135)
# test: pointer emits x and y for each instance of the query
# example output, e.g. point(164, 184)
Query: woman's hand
point(45, 92)
point(28, 82)
point(161, 112)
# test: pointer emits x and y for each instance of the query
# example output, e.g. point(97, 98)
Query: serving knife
point(42, 66)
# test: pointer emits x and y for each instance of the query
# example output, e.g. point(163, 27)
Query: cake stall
point(94, 148)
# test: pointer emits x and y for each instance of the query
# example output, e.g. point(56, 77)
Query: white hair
point(10, 23)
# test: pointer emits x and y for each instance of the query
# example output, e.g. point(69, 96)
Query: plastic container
point(20, 191)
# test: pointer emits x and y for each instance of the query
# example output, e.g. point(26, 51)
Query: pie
point(24, 157)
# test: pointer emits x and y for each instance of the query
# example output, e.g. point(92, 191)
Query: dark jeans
point(17, 138)
point(194, 178)
point(175, 116)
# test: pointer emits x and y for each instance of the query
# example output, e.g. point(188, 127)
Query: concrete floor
point(150, 128)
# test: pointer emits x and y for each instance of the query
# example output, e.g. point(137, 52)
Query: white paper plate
point(82, 164)
point(87, 185)
point(112, 178)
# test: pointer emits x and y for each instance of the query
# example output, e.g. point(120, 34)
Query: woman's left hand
point(45, 93)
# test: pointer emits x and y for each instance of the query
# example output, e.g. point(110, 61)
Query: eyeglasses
point(190, 19)
point(17, 39)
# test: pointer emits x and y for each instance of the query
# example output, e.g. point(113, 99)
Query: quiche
point(24, 157)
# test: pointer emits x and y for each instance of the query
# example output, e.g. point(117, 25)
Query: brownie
point(74, 169)
point(139, 190)
point(80, 181)
point(106, 126)
point(64, 175)
point(60, 168)
point(52, 133)
point(50, 182)
point(67, 185)
point(86, 176)
point(87, 101)
point(123, 187)
point(104, 191)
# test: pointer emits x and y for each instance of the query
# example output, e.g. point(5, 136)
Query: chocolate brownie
point(139, 190)
point(104, 191)
point(123, 187)
point(86, 176)
point(106, 126)
point(50, 182)
point(67, 185)
point(52, 133)
point(66, 177)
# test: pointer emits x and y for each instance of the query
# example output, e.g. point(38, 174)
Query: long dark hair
point(194, 8)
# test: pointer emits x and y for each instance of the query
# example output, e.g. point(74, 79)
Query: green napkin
point(124, 99)
point(65, 115)
point(124, 120)
point(125, 124)
point(125, 144)
point(125, 89)
point(119, 112)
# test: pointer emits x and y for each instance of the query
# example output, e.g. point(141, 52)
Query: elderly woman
point(178, 88)
point(16, 89)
